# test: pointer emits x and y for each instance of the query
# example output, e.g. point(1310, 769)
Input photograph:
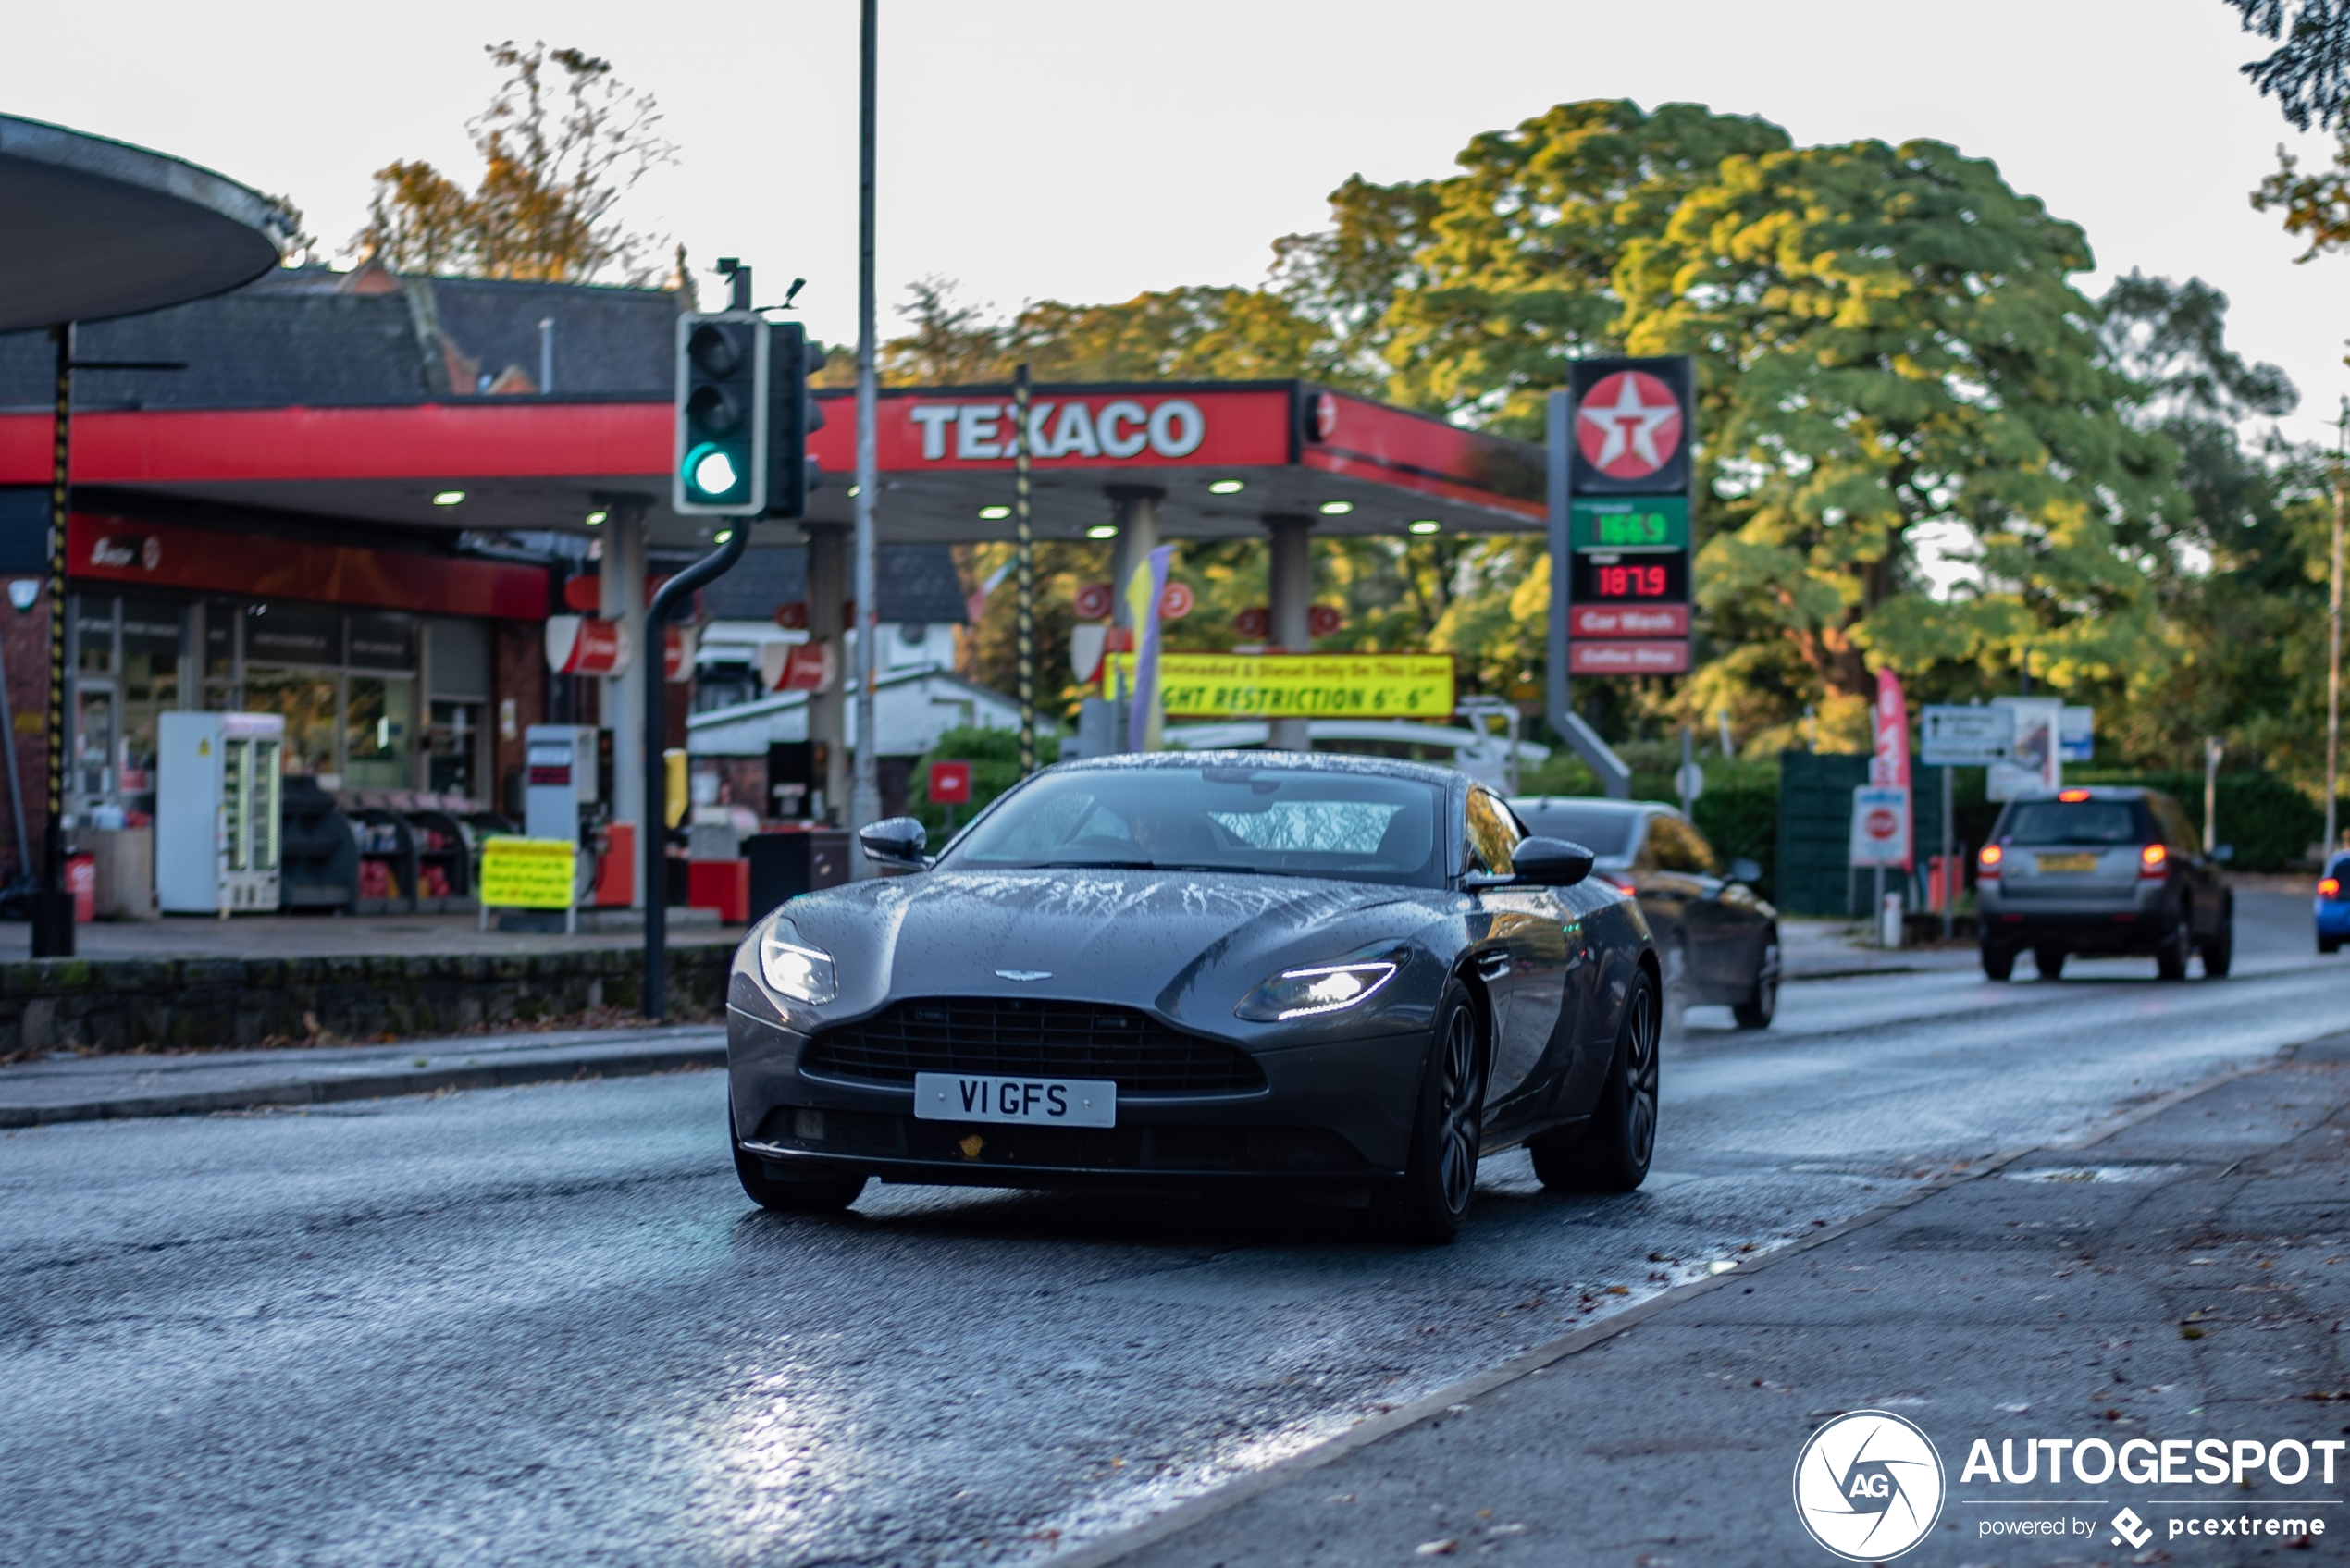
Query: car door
point(1723, 933)
point(1669, 893)
point(1523, 958)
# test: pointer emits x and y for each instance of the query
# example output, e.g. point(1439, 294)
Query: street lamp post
point(864, 799)
point(2333, 638)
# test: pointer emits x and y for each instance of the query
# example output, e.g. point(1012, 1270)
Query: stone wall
point(195, 1004)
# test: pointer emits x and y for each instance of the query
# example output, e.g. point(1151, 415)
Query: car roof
point(1301, 761)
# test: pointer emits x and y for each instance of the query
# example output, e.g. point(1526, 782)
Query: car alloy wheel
point(1440, 1178)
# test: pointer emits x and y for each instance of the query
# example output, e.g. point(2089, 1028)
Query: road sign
point(1094, 601)
point(1175, 602)
point(2035, 762)
point(1689, 781)
point(1255, 622)
point(1324, 619)
point(1880, 825)
point(950, 783)
point(1951, 736)
point(2077, 734)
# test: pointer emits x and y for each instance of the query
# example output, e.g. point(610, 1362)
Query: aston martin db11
point(1340, 976)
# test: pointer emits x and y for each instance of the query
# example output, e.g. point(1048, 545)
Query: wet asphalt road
point(541, 1325)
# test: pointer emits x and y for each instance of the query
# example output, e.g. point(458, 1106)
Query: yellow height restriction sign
point(527, 873)
point(1299, 685)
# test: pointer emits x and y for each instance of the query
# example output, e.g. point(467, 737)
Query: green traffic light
point(710, 469)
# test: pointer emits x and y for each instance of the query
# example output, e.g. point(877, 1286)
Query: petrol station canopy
point(323, 394)
point(97, 229)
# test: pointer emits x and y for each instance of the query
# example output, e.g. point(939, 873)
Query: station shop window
point(126, 663)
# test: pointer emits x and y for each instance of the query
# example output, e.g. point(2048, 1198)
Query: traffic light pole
point(654, 832)
point(864, 789)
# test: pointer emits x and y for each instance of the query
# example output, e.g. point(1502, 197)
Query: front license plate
point(1048, 1101)
point(2068, 862)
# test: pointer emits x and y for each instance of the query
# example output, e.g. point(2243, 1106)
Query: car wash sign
point(1620, 555)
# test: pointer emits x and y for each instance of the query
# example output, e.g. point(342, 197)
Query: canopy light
point(853, 489)
point(995, 514)
point(598, 517)
point(1337, 508)
point(721, 536)
point(448, 498)
point(1227, 488)
point(1102, 531)
point(1426, 526)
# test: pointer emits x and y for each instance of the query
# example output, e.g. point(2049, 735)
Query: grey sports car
point(1198, 970)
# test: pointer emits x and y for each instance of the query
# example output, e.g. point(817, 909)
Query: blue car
point(2332, 905)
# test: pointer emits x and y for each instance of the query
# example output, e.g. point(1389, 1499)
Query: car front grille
point(1015, 1036)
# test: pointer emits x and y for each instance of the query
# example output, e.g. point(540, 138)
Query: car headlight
point(792, 966)
point(1316, 988)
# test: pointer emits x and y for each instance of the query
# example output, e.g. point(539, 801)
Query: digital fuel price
point(1631, 523)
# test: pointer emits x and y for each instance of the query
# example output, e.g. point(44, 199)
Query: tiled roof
point(918, 585)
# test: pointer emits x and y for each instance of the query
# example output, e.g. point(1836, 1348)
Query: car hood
point(1185, 942)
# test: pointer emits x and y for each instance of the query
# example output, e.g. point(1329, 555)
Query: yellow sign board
point(1299, 685)
point(527, 873)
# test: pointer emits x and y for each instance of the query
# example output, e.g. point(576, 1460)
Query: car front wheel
point(826, 1194)
point(1439, 1178)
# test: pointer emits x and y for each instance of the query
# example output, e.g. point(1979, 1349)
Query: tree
point(561, 143)
point(2317, 204)
point(2310, 70)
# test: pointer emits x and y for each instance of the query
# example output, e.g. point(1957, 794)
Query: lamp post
point(864, 799)
point(2334, 637)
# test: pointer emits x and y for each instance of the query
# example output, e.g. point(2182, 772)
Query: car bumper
point(1330, 1113)
point(2334, 920)
point(2139, 922)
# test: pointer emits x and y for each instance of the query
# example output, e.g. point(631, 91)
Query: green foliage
point(995, 759)
point(2270, 823)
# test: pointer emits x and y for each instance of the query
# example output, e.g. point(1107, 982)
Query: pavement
point(2179, 1279)
point(72, 1088)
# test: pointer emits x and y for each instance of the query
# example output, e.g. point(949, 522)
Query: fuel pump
point(567, 795)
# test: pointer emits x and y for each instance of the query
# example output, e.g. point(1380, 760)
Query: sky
point(1087, 151)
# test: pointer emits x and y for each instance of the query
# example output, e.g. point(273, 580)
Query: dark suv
point(2103, 870)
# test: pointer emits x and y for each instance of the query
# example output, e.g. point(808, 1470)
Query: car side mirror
point(896, 841)
point(2224, 854)
point(1549, 862)
point(1746, 870)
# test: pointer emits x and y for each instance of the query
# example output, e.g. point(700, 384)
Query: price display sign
point(1622, 476)
point(1630, 579)
point(1630, 523)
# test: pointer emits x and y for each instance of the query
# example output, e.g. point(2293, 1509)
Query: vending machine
point(218, 805)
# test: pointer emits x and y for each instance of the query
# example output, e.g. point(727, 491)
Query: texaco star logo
point(1630, 424)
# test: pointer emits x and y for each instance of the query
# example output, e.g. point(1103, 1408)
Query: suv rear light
point(1987, 863)
point(2330, 888)
point(2153, 862)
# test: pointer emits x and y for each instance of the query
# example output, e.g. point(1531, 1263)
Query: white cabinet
point(218, 812)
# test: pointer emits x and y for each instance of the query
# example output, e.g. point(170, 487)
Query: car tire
point(1758, 1010)
point(1440, 1174)
point(1999, 963)
point(2221, 951)
point(1611, 1151)
point(2171, 959)
point(2050, 961)
point(2329, 945)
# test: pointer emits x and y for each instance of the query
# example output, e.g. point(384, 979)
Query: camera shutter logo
point(1869, 1486)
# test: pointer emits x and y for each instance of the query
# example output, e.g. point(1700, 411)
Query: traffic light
point(724, 362)
point(792, 417)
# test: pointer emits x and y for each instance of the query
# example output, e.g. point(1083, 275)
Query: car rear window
point(2076, 821)
point(1604, 832)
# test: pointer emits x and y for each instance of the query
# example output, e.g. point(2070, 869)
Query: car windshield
point(2075, 821)
point(1283, 821)
point(1605, 833)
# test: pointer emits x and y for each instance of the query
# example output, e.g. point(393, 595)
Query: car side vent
point(1030, 1037)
